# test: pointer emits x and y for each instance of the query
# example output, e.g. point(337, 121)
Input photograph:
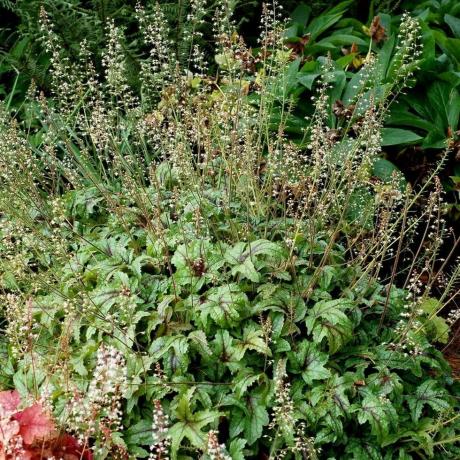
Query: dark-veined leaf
point(253, 339)
point(222, 304)
point(309, 361)
point(189, 425)
point(427, 393)
point(327, 319)
point(380, 414)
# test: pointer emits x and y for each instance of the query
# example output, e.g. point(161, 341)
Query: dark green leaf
point(454, 24)
point(397, 136)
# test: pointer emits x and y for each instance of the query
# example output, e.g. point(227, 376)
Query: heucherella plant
point(186, 282)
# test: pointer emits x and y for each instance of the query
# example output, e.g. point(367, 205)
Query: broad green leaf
point(226, 351)
point(327, 319)
point(256, 419)
point(384, 382)
point(160, 346)
point(362, 450)
point(330, 399)
point(262, 247)
point(353, 87)
point(361, 208)
point(441, 329)
point(445, 105)
point(222, 304)
point(189, 425)
point(387, 172)
point(346, 60)
point(139, 434)
point(339, 39)
point(397, 136)
point(307, 79)
point(384, 169)
point(309, 361)
point(236, 449)
point(384, 58)
point(243, 255)
point(450, 46)
point(200, 340)
point(253, 339)
point(247, 270)
point(326, 20)
point(237, 419)
point(452, 77)
point(301, 14)
point(244, 380)
point(328, 273)
point(400, 116)
point(380, 414)
point(436, 325)
point(288, 79)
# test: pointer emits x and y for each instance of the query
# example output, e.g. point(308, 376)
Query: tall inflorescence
point(160, 67)
point(20, 170)
point(223, 26)
point(271, 25)
point(283, 417)
point(65, 84)
point(114, 63)
point(159, 449)
point(285, 423)
point(16, 240)
point(320, 142)
point(453, 317)
point(98, 411)
point(408, 49)
point(59, 64)
point(215, 450)
point(232, 54)
point(192, 36)
point(452, 292)
point(409, 321)
point(24, 176)
point(425, 269)
point(302, 445)
point(92, 121)
point(21, 330)
point(273, 55)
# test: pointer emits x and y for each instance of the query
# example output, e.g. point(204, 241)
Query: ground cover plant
point(180, 280)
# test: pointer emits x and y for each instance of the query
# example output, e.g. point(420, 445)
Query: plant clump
point(186, 282)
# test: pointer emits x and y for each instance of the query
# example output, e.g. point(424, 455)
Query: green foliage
point(234, 281)
point(220, 323)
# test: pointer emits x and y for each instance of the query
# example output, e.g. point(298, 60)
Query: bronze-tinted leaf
point(377, 31)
